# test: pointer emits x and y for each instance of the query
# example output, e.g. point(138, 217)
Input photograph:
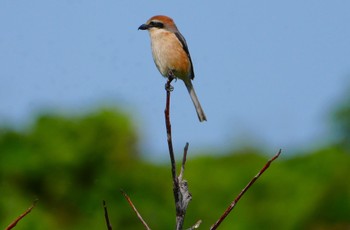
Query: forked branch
point(182, 195)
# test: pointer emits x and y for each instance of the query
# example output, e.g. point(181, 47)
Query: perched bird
point(171, 55)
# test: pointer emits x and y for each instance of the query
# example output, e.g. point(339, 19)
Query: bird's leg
point(168, 85)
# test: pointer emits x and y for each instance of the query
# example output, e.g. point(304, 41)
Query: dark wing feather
point(184, 46)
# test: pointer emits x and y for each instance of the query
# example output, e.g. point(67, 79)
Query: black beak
point(144, 27)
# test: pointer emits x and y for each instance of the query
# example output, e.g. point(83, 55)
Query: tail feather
point(197, 105)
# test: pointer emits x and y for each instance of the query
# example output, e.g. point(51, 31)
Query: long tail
point(197, 105)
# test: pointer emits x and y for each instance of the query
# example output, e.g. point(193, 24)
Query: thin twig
point(108, 223)
point(14, 223)
point(233, 204)
point(137, 212)
point(169, 88)
point(176, 187)
point(184, 158)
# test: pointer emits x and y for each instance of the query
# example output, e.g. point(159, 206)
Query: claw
point(169, 87)
point(171, 77)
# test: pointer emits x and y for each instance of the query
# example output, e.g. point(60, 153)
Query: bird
point(171, 55)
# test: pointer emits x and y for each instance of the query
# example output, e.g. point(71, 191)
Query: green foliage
point(71, 164)
point(67, 163)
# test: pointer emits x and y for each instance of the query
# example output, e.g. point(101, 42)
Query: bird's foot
point(169, 87)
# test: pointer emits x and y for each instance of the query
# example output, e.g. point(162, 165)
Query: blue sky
point(267, 72)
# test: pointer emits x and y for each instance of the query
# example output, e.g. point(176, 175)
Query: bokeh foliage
point(73, 163)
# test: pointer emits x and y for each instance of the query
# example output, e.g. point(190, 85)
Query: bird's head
point(159, 22)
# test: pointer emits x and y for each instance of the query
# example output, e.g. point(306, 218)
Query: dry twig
point(235, 201)
point(109, 226)
point(135, 210)
point(14, 223)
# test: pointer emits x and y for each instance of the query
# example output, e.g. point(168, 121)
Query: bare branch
point(185, 195)
point(14, 223)
point(109, 226)
point(169, 88)
point(137, 213)
point(233, 204)
point(182, 196)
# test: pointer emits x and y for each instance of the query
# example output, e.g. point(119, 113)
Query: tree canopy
point(72, 163)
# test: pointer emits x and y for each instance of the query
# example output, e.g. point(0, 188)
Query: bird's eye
point(156, 24)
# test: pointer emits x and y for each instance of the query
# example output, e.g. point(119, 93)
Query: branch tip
point(135, 210)
point(14, 223)
point(108, 223)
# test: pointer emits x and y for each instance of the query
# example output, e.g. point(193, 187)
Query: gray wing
point(184, 46)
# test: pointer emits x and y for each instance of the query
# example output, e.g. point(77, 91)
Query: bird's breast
point(169, 55)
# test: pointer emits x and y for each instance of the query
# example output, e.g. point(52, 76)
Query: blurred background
point(81, 114)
